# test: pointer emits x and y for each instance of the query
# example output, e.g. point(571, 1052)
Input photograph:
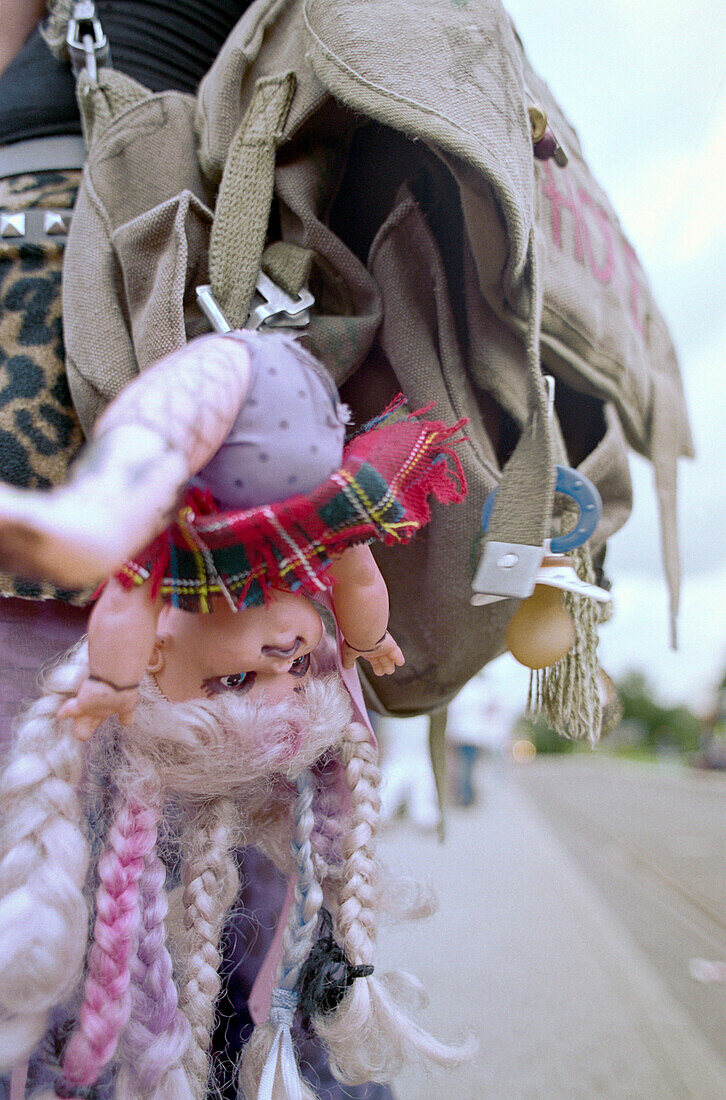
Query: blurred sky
point(643, 83)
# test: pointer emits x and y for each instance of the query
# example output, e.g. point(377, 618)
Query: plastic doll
point(241, 439)
point(246, 420)
point(126, 626)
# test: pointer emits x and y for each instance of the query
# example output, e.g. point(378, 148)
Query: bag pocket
point(127, 256)
point(162, 257)
point(445, 639)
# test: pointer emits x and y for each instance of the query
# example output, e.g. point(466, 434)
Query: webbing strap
point(665, 466)
point(288, 265)
point(438, 754)
point(245, 196)
point(522, 513)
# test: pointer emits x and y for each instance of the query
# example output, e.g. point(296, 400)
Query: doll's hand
point(384, 658)
point(96, 700)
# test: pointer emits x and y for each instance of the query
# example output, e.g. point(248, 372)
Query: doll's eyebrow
point(275, 651)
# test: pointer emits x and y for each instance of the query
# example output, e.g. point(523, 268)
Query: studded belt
point(34, 226)
point(37, 224)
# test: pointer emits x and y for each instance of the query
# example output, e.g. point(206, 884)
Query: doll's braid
point(157, 1033)
point(106, 999)
point(210, 886)
point(270, 1043)
point(356, 917)
point(368, 1034)
point(44, 859)
point(302, 925)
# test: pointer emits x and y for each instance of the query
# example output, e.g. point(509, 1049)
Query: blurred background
point(582, 923)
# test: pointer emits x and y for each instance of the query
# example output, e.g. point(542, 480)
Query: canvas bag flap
point(461, 83)
point(599, 319)
point(456, 84)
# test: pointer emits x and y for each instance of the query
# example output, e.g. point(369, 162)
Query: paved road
point(653, 842)
point(571, 902)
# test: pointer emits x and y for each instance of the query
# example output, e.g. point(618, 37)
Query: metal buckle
point(506, 570)
point(277, 308)
point(86, 43)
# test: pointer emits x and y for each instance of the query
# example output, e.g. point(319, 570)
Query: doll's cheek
point(273, 688)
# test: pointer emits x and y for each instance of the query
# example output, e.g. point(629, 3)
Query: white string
point(281, 1013)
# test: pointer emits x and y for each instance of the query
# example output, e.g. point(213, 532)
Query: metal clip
point(87, 45)
point(278, 309)
point(544, 139)
point(506, 570)
point(211, 309)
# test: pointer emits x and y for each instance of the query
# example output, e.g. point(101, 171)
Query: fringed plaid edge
point(380, 493)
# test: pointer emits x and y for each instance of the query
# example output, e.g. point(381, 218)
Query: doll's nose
point(277, 656)
point(284, 649)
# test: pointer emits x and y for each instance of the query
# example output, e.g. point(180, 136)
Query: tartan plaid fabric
point(381, 492)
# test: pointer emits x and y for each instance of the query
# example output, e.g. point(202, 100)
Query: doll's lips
point(276, 651)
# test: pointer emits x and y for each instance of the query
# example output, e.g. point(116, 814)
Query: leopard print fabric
point(39, 431)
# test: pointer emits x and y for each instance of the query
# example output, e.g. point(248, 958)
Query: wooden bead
point(537, 122)
point(541, 631)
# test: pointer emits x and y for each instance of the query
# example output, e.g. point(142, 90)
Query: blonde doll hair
point(192, 781)
point(44, 857)
point(369, 1036)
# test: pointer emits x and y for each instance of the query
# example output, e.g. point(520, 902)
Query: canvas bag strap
point(245, 197)
point(511, 550)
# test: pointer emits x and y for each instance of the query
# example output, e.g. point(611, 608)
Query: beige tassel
point(567, 694)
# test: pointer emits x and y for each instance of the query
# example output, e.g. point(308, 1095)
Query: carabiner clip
point(86, 43)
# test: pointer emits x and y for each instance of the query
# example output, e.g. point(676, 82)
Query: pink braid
point(106, 1000)
point(157, 1033)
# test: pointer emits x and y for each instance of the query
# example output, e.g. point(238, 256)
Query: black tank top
point(164, 44)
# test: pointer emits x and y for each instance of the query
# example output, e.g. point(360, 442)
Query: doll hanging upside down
point(226, 462)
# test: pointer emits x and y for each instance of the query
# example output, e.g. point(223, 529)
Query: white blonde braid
point(297, 941)
point(211, 882)
point(369, 1036)
point(44, 857)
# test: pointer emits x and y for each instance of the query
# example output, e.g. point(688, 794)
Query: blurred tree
point(662, 727)
point(542, 737)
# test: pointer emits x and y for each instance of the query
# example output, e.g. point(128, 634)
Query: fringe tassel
point(567, 695)
point(268, 1067)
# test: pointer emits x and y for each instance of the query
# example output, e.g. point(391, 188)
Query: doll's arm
point(160, 430)
point(360, 602)
point(121, 634)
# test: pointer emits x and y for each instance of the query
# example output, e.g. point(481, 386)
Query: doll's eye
point(236, 681)
point(300, 665)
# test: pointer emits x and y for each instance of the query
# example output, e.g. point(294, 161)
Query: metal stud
point(55, 224)
point(537, 122)
point(12, 225)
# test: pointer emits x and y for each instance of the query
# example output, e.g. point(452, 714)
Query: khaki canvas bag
point(379, 153)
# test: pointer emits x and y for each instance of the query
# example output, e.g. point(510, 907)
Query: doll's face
point(259, 652)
